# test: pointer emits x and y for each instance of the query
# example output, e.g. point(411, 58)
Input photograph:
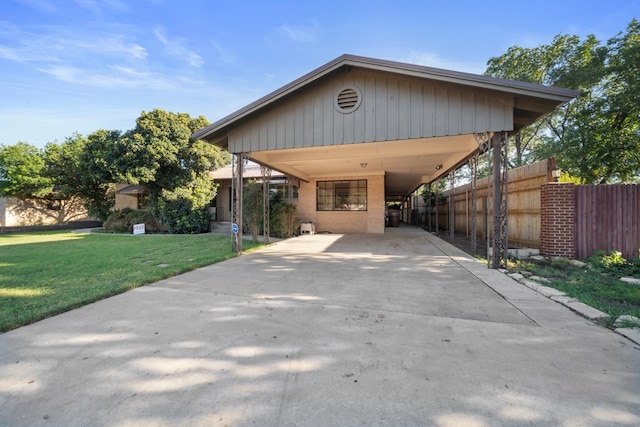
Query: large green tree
point(594, 137)
point(158, 153)
point(99, 166)
point(22, 170)
point(41, 180)
point(175, 169)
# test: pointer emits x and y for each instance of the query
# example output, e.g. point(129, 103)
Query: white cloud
point(39, 5)
point(176, 47)
point(299, 33)
point(429, 59)
point(96, 6)
point(223, 55)
point(110, 77)
point(98, 58)
point(53, 44)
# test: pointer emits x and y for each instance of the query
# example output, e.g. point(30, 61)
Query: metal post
point(236, 214)
point(504, 206)
point(497, 201)
point(473, 164)
point(484, 146)
point(500, 201)
point(266, 179)
point(488, 216)
point(234, 179)
point(429, 207)
point(437, 208)
point(452, 206)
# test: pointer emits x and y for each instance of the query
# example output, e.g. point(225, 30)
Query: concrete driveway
point(400, 329)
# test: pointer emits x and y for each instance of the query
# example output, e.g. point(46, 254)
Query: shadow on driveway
point(331, 330)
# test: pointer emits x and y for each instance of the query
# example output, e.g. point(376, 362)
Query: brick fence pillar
point(557, 220)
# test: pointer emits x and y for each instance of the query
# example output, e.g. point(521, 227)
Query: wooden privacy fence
point(523, 205)
point(560, 219)
point(607, 218)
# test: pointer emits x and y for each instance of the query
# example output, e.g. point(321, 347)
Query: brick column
point(557, 220)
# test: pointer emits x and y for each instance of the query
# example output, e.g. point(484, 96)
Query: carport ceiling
point(405, 163)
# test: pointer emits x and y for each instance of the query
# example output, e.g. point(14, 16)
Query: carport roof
point(524, 114)
point(408, 161)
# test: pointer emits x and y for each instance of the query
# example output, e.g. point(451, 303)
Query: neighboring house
point(359, 133)
point(16, 213)
point(130, 196)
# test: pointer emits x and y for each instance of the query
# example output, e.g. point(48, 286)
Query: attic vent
point(348, 100)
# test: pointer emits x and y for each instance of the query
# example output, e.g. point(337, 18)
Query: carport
point(359, 132)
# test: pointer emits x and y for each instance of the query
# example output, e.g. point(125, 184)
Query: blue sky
point(71, 66)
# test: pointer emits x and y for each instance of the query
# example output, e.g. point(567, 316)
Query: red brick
point(557, 220)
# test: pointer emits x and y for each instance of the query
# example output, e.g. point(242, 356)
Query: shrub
point(181, 217)
point(253, 207)
point(284, 220)
point(122, 221)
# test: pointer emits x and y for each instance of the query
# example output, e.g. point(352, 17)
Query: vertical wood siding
point(392, 108)
point(607, 218)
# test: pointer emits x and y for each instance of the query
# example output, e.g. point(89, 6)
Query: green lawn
point(42, 274)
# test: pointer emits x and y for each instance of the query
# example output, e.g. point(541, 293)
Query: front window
point(284, 191)
point(345, 195)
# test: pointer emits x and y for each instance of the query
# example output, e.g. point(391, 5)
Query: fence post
point(557, 220)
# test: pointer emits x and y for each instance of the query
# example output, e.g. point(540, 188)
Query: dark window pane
point(341, 195)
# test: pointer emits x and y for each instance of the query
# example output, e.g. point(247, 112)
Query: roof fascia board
point(467, 79)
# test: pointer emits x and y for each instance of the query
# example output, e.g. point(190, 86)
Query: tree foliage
point(162, 155)
point(175, 169)
point(41, 179)
point(23, 171)
point(595, 137)
point(158, 154)
point(96, 173)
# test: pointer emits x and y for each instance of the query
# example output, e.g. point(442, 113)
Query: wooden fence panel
point(523, 206)
point(607, 218)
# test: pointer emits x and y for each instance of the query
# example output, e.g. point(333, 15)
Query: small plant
point(432, 198)
point(614, 264)
point(613, 258)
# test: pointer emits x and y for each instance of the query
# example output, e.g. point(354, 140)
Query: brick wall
point(557, 220)
point(371, 221)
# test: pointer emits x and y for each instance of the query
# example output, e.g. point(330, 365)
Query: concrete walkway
point(400, 329)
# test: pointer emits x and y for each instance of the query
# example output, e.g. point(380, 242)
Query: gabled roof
point(411, 124)
point(525, 89)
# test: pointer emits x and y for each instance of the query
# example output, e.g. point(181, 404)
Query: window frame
point(342, 195)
